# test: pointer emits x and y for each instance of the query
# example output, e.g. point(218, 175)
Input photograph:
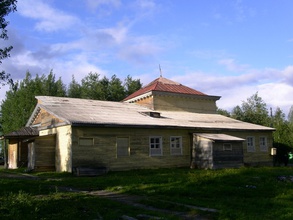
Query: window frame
point(153, 150)
point(250, 145)
point(226, 147)
point(263, 147)
point(86, 138)
point(126, 148)
point(174, 146)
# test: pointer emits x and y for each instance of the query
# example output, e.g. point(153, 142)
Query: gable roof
point(85, 112)
point(162, 84)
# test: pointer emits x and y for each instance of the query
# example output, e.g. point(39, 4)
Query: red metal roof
point(164, 85)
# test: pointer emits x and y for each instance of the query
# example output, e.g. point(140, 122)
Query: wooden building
point(164, 124)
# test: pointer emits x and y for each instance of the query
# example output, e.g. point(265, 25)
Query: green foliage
point(20, 102)
point(245, 193)
point(290, 115)
point(283, 133)
point(6, 7)
point(92, 87)
point(74, 89)
point(254, 110)
point(131, 85)
point(223, 112)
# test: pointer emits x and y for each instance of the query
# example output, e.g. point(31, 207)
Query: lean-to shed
point(212, 151)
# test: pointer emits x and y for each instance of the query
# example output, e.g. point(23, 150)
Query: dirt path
point(135, 202)
point(131, 200)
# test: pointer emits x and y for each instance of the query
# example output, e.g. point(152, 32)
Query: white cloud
point(48, 18)
point(231, 65)
point(146, 4)
point(288, 73)
point(118, 33)
point(271, 84)
point(94, 4)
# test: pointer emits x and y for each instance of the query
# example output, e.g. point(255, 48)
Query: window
point(156, 146)
point(176, 145)
point(123, 146)
point(263, 145)
point(86, 141)
point(227, 147)
point(250, 144)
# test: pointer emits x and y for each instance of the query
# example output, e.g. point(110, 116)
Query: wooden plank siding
point(187, 104)
point(12, 154)
point(103, 152)
point(45, 153)
point(257, 157)
point(225, 158)
point(17, 152)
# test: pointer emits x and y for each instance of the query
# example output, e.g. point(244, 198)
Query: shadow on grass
point(245, 193)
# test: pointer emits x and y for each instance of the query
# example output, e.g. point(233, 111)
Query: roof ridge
point(165, 85)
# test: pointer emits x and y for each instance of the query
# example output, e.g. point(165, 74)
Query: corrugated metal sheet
point(23, 132)
point(105, 113)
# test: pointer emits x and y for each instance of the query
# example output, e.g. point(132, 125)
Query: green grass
point(245, 193)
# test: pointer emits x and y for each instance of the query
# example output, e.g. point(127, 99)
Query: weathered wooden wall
point(177, 103)
point(63, 149)
point(203, 155)
point(17, 151)
point(45, 153)
point(146, 102)
point(103, 152)
point(258, 157)
point(225, 158)
point(12, 154)
point(46, 119)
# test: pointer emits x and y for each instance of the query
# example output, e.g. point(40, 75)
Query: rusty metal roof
point(165, 85)
point(105, 113)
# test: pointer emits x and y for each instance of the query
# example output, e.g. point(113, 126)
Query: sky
point(227, 48)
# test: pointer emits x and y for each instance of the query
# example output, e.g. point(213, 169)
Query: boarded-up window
point(176, 145)
point(263, 144)
point(156, 146)
point(250, 144)
point(86, 141)
point(122, 146)
point(227, 147)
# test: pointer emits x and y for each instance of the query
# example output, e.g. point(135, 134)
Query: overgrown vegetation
point(20, 100)
point(245, 193)
point(254, 110)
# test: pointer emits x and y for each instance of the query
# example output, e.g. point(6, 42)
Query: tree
point(92, 87)
point(254, 110)
point(131, 85)
point(6, 7)
point(282, 137)
point(290, 115)
point(223, 112)
point(74, 89)
point(116, 89)
point(20, 102)
point(283, 130)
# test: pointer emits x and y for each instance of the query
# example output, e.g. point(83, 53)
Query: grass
point(245, 193)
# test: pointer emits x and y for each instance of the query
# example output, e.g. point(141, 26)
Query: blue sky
point(229, 48)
